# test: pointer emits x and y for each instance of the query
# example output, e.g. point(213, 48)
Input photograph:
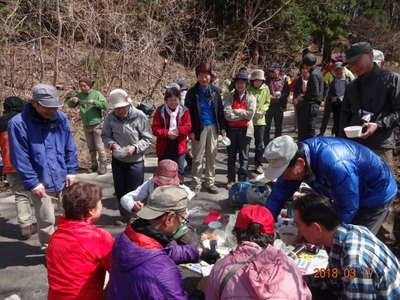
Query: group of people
point(356, 176)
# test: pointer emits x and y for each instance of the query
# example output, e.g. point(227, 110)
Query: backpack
point(242, 193)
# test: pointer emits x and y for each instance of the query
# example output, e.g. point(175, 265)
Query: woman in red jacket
point(79, 253)
point(172, 125)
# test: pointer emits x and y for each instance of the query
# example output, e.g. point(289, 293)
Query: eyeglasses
point(182, 219)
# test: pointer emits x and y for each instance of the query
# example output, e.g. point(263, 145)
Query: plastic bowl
point(226, 141)
point(353, 131)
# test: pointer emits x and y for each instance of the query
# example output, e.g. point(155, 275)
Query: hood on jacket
point(127, 256)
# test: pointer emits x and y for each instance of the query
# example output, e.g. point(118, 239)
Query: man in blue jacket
point(44, 154)
point(357, 180)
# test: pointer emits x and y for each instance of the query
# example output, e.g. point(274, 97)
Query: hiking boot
point(197, 189)
point(230, 184)
point(102, 169)
point(212, 189)
point(259, 169)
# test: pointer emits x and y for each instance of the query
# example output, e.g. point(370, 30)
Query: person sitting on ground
point(79, 253)
point(255, 269)
point(172, 126)
point(91, 104)
point(143, 262)
point(360, 266)
point(166, 173)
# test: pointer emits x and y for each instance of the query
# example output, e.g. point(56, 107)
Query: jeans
point(275, 112)
point(127, 177)
point(306, 115)
point(259, 144)
point(372, 218)
point(240, 143)
point(179, 159)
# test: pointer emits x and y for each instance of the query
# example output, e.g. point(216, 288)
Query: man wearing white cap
point(357, 180)
point(44, 154)
point(379, 58)
point(126, 132)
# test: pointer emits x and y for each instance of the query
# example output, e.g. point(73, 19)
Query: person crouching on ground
point(262, 272)
point(239, 109)
point(143, 262)
point(263, 97)
point(79, 253)
point(171, 125)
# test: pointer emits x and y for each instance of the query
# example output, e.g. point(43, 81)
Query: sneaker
point(212, 189)
point(102, 169)
point(229, 184)
point(259, 169)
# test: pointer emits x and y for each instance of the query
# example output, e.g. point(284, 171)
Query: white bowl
point(226, 141)
point(353, 131)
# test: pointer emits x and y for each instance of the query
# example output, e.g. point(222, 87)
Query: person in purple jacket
point(144, 265)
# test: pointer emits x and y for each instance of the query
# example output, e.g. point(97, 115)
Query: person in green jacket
point(91, 103)
point(261, 91)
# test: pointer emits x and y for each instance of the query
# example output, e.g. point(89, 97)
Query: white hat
point(378, 56)
point(119, 98)
point(257, 75)
point(279, 153)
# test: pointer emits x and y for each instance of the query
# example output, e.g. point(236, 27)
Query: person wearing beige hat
point(263, 97)
point(126, 132)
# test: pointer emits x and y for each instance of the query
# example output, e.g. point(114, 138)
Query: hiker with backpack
point(239, 108)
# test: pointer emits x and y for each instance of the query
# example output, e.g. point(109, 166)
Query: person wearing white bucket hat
point(358, 182)
point(126, 130)
point(263, 97)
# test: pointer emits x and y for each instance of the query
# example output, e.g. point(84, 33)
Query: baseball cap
point(356, 50)
point(256, 214)
point(166, 173)
point(279, 153)
point(378, 56)
point(46, 95)
point(162, 200)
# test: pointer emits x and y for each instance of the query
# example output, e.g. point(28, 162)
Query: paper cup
point(226, 141)
point(353, 131)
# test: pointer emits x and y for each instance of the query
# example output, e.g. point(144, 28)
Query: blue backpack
point(248, 193)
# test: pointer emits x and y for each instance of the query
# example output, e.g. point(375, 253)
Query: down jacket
point(42, 151)
point(269, 275)
point(349, 173)
point(160, 128)
point(142, 269)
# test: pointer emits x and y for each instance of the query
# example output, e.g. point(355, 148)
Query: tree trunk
point(56, 57)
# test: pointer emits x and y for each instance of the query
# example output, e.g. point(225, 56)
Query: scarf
point(144, 227)
point(172, 117)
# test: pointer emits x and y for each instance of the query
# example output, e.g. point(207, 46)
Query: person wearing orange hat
point(246, 273)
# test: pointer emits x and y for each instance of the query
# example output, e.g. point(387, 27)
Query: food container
point(120, 153)
point(353, 131)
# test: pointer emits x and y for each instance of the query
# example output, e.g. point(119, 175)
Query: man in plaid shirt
point(360, 266)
